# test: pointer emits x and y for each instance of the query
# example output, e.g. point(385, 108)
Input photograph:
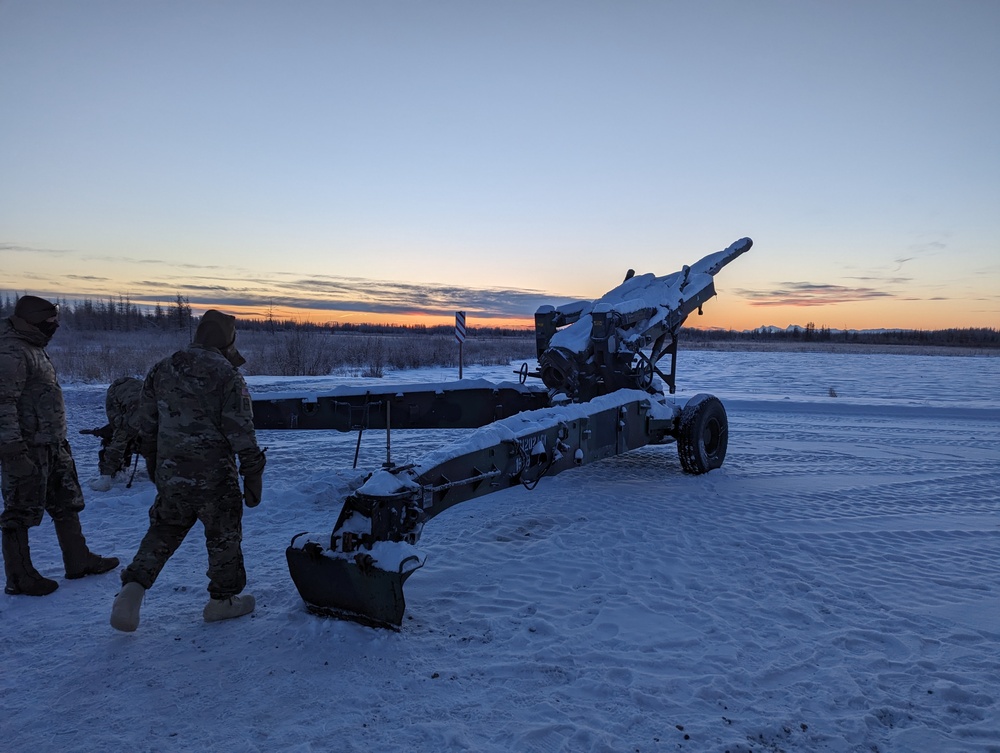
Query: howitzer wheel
point(703, 435)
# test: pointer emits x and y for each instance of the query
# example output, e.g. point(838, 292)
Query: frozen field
point(834, 587)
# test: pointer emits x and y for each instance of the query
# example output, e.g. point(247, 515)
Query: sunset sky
point(397, 161)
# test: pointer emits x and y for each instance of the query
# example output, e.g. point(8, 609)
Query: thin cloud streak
point(318, 291)
point(113, 259)
point(811, 294)
point(328, 297)
point(293, 291)
point(19, 249)
point(349, 295)
point(885, 280)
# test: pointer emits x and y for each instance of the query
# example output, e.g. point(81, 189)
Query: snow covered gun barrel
point(588, 348)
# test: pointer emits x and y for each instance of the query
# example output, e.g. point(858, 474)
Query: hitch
point(358, 589)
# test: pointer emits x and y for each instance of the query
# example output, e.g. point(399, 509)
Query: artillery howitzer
point(598, 362)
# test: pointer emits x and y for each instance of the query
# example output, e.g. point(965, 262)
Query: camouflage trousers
point(178, 506)
point(53, 488)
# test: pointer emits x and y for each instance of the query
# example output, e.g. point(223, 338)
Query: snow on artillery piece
point(603, 395)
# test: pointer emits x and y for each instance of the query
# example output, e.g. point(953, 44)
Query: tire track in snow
point(859, 558)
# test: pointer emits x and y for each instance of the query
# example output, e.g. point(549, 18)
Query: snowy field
point(834, 587)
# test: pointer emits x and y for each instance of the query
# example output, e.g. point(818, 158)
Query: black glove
point(253, 477)
point(253, 487)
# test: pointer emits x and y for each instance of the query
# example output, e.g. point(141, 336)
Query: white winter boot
point(102, 483)
point(227, 609)
point(125, 611)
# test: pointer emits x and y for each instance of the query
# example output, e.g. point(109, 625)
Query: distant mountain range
point(773, 330)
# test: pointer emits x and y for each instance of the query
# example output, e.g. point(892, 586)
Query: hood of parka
point(218, 330)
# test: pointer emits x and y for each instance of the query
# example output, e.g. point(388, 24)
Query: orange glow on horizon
point(719, 313)
point(326, 316)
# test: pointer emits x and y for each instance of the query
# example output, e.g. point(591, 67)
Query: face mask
point(233, 356)
point(47, 328)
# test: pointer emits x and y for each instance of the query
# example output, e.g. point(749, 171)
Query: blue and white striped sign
point(460, 326)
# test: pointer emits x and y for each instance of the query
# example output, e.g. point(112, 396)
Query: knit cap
point(34, 310)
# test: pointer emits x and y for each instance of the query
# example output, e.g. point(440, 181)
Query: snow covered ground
point(834, 587)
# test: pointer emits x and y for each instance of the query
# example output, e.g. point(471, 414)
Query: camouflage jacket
point(122, 406)
point(121, 402)
point(195, 414)
point(32, 411)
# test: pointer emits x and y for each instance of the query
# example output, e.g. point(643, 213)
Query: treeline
point(115, 314)
point(290, 325)
point(972, 337)
point(123, 315)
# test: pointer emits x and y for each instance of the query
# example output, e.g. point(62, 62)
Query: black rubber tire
point(703, 434)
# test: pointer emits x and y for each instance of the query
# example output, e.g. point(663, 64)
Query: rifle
point(105, 432)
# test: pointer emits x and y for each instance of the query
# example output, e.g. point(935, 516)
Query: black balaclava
point(36, 311)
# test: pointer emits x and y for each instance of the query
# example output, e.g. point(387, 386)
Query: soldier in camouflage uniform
point(195, 415)
point(38, 472)
point(121, 403)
